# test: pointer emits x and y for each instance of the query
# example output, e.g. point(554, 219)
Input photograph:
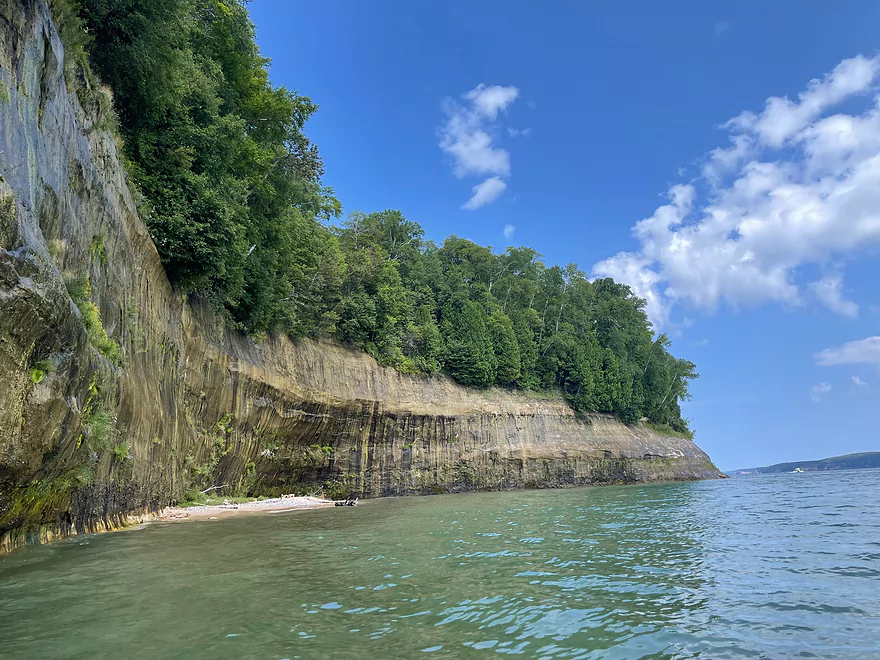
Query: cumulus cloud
point(829, 292)
point(862, 351)
point(489, 100)
point(634, 269)
point(858, 382)
point(509, 231)
point(795, 185)
point(819, 391)
point(467, 136)
point(485, 193)
point(783, 118)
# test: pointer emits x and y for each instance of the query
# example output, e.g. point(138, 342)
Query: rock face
point(86, 443)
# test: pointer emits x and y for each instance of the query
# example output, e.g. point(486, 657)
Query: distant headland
point(870, 459)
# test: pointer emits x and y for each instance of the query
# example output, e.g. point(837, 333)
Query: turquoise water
point(771, 566)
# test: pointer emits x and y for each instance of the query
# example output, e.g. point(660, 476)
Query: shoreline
point(217, 511)
point(51, 533)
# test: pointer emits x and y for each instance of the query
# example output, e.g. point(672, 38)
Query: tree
point(506, 348)
point(423, 343)
point(524, 324)
point(238, 212)
point(231, 179)
point(469, 355)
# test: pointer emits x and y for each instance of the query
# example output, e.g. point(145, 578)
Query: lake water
point(771, 566)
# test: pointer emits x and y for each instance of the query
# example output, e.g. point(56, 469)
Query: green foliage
point(120, 452)
point(336, 489)
point(99, 252)
point(72, 34)
point(193, 497)
point(422, 341)
point(665, 429)
point(80, 290)
point(469, 354)
point(42, 498)
point(506, 348)
point(99, 425)
point(237, 211)
point(39, 370)
point(223, 426)
point(233, 183)
point(504, 319)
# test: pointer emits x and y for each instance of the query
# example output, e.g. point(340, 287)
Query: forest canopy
point(234, 201)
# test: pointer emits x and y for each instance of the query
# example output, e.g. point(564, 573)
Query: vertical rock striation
point(89, 443)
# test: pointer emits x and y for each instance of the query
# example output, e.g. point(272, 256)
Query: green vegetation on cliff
point(235, 204)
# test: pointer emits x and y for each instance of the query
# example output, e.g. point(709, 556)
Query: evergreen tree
point(469, 355)
point(506, 347)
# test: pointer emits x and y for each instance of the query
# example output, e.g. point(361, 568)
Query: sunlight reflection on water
point(773, 566)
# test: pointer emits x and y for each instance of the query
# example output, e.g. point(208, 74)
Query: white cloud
point(858, 382)
point(829, 291)
point(471, 148)
point(862, 351)
point(490, 100)
point(516, 132)
point(721, 27)
point(509, 231)
point(820, 390)
point(633, 269)
point(793, 187)
point(485, 193)
point(465, 135)
point(783, 118)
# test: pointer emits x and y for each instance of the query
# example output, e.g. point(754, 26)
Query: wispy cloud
point(509, 231)
point(858, 382)
point(517, 132)
point(721, 27)
point(796, 185)
point(862, 351)
point(817, 392)
point(829, 292)
point(485, 193)
point(467, 136)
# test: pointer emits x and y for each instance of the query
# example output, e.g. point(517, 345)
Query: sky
point(723, 159)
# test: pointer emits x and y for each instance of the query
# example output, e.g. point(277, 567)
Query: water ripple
point(770, 566)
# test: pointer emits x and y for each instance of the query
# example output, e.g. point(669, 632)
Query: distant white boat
point(796, 470)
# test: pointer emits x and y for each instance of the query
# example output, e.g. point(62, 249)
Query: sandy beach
point(275, 505)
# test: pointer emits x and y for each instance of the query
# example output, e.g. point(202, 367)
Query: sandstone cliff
point(85, 443)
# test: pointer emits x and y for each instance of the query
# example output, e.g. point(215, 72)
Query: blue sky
point(680, 147)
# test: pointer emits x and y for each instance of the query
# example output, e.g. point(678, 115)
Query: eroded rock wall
point(86, 443)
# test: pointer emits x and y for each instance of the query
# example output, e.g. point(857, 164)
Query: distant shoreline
point(860, 461)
